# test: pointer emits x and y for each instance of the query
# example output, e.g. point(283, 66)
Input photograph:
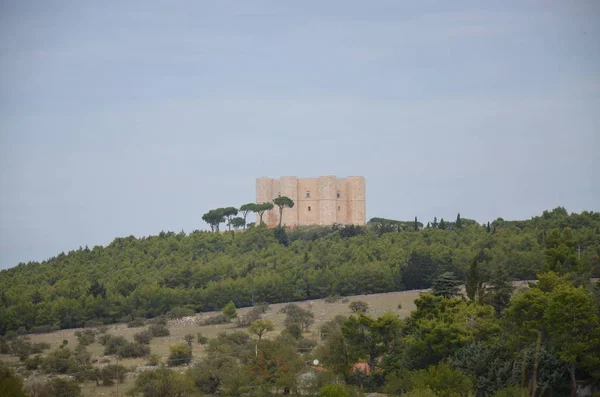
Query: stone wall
point(317, 201)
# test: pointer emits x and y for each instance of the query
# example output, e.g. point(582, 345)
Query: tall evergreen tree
point(442, 224)
point(458, 222)
point(435, 222)
point(474, 286)
point(416, 225)
point(446, 285)
point(488, 229)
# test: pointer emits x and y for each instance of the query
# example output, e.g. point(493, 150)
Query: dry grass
point(378, 304)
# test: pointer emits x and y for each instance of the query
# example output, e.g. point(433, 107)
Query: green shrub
point(136, 322)
point(113, 344)
point(181, 354)
point(143, 337)
point(203, 340)
point(159, 330)
point(359, 306)
point(86, 337)
point(230, 311)
point(104, 338)
point(43, 329)
point(133, 350)
point(333, 391)
point(161, 320)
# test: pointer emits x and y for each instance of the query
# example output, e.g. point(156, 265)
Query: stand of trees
point(201, 271)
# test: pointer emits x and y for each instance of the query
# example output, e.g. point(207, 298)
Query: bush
point(107, 375)
point(189, 339)
point(86, 337)
point(181, 354)
point(113, 344)
point(153, 360)
point(332, 299)
point(104, 338)
point(133, 350)
point(333, 391)
point(159, 330)
point(264, 307)
point(214, 320)
point(254, 314)
point(179, 312)
point(295, 314)
point(359, 306)
point(203, 340)
point(33, 362)
point(345, 300)
point(136, 322)
point(103, 329)
point(230, 311)
point(143, 337)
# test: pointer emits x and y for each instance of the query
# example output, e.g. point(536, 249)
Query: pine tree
point(446, 285)
point(442, 224)
point(500, 290)
point(428, 226)
point(416, 226)
point(458, 222)
point(488, 227)
point(435, 223)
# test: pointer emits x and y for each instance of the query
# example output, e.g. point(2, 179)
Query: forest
point(202, 271)
point(485, 339)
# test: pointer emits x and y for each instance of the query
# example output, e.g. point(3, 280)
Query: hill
point(202, 271)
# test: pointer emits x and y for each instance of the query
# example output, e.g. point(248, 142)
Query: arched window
point(307, 194)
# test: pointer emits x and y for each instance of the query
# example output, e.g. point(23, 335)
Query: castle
point(325, 200)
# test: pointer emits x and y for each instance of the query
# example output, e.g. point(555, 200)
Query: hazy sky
point(126, 118)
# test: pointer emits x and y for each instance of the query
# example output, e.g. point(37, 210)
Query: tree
point(416, 225)
point(189, 339)
point(260, 209)
point(283, 202)
point(499, 290)
point(442, 224)
point(443, 380)
point(246, 208)
point(446, 285)
point(474, 286)
point(229, 213)
point(572, 321)
point(230, 311)
point(214, 218)
point(259, 328)
point(458, 221)
point(435, 222)
point(238, 222)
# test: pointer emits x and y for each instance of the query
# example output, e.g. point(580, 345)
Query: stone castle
point(325, 200)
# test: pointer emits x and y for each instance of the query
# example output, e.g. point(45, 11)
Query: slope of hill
point(144, 277)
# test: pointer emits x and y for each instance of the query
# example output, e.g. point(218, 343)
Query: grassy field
point(378, 303)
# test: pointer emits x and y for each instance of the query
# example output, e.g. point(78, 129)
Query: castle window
point(307, 194)
point(339, 208)
point(309, 207)
point(339, 195)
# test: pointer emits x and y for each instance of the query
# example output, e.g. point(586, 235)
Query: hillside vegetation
point(202, 271)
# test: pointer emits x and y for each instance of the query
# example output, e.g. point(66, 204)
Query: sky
point(123, 118)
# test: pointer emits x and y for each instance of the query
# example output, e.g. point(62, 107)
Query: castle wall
point(317, 201)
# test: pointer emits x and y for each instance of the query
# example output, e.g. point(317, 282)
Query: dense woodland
point(144, 277)
point(491, 340)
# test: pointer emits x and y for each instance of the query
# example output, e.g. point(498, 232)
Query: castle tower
point(327, 200)
point(357, 200)
point(289, 188)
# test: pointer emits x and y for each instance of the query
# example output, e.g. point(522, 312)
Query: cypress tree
point(458, 222)
point(416, 227)
point(442, 224)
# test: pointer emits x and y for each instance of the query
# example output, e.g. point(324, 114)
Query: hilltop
point(202, 271)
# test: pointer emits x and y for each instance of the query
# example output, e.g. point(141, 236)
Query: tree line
point(228, 215)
